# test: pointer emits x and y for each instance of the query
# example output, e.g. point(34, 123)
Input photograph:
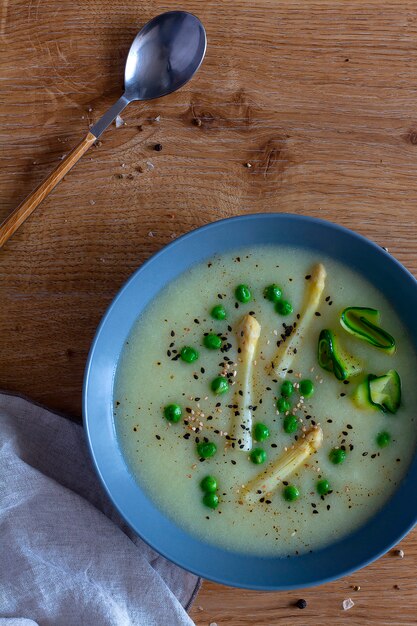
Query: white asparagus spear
point(277, 471)
point(288, 349)
point(248, 333)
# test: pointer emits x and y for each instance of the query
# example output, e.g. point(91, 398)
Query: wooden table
point(319, 97)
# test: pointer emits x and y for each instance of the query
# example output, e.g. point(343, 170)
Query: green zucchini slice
point(362, 322)
point(379, 392)
point(333, 358)
point(361, 397)
point(385, 391)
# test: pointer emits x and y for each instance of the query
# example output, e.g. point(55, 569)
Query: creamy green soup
point(364, 451)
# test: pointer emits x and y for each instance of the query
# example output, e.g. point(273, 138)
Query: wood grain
point(320, 97)
point(26, 208)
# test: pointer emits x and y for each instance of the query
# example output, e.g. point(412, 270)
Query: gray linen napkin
point(66, 556)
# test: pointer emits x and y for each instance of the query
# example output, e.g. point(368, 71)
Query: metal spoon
point(164, 55)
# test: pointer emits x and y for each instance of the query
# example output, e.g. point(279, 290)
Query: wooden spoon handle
point(22, 212)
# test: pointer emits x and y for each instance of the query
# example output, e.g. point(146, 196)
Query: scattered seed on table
point(301, 604)
point(347, 604)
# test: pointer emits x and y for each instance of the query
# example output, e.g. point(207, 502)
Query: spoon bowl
point(164, 55)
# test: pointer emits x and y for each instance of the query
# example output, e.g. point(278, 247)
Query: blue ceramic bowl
point(240, 570)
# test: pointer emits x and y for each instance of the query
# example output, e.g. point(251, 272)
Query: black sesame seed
point(158, 147)
point(158, 437)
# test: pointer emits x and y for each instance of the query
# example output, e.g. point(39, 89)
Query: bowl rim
point(200, 571)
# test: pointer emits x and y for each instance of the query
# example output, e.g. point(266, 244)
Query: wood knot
point(412, 137)
point(270, 157)
point(235, 113)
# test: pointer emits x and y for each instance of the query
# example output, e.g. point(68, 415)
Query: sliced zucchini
point(362, 322)
point(385, 391)
point(334, 359)
point(379, 392)
point(361, 397)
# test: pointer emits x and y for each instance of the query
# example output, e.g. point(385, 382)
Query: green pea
point(243, 294)
point(273, 293)
point(260, 432)
point(323, 487)
point(283, 307)
point(209, 484)
point(283, 405)
point(212, 342)
point(306, 388)
point(258, 456)
point(211, 500)
point(173, 413)
point(219, 312)
point(291, 493)
point(206, 449)
point(287, 389)
point(337, 456)
point(189, 354)
point(290, 424)
point(383, 439)
point(220, 385)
